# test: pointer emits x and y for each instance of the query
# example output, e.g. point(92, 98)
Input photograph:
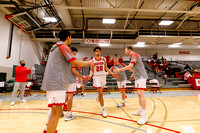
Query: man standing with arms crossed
point(99, 76)
point(57, 74)
point(140, 76)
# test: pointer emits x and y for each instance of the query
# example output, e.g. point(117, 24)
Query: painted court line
point(100, 115)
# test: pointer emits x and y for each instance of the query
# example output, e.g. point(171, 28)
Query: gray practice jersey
point(121, 75)
point(138, 68)
point(58, 70)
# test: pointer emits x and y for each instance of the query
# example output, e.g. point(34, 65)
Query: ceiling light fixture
point(50, 19)
point(175, 45)
point(108, 21)
point(165, 22)
point(140, 44)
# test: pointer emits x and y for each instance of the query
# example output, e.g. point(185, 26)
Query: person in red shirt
point(20, 81)
point(107, 57)
point(195, 74)
point(120, 59)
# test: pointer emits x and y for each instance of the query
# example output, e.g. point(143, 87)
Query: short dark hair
point(97, 48)
point(74, 49)
point(64, 34)
point(130, 47)
point(21, 61)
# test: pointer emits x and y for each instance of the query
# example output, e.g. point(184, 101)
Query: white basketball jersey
point(99, 68)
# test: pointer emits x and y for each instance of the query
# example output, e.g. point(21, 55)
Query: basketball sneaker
point(70, 117)
point(22, 100)
point(137, 113)
point(46, 131)
point(104, 113)
point(12, 103)
point(143, 119)
point(121, 105)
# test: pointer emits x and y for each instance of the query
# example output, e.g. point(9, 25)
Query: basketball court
point(168, 112)
point(169, 28)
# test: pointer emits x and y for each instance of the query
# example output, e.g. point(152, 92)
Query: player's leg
point(22, 89)
point(122, 86)
point(98, 83)
point(140, 85)
point(70, 93)
point(16, 87)
point(82, 89)
point(53, 120)
point(54, 97)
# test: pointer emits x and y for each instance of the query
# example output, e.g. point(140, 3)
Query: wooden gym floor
point(168, 112)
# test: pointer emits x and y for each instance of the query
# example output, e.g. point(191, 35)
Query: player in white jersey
point(99, 76)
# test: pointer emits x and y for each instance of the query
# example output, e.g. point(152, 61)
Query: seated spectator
point(116, 56)
point(162, 60)
point(187, 67)
point(120, 59)
point(149, 59)
point(107, 57)
point(195, 74)
point(187, 75)
point(165, 64)
point(193, 70)
point(155, 56)
point(156, 68)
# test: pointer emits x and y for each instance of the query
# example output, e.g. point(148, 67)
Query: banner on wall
point(184, 52)
point(97, 41)
point(197, 82)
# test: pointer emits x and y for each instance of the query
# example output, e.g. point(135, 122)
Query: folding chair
point(27, 90)
point(155, 86)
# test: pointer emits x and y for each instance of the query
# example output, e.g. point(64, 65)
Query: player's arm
point(125, 66)
point(79, 63)
point(76, 73)
point(108, 70)
point(66, 52)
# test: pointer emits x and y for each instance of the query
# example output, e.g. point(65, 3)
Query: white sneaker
point(12, 103)
point(70, 117)
point(137, 113)
point(143, 119)
point(104, 113)
point(22, 100)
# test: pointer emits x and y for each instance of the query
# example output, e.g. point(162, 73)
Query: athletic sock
point(123, 101)
point(48, 117)
point(103, 107)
